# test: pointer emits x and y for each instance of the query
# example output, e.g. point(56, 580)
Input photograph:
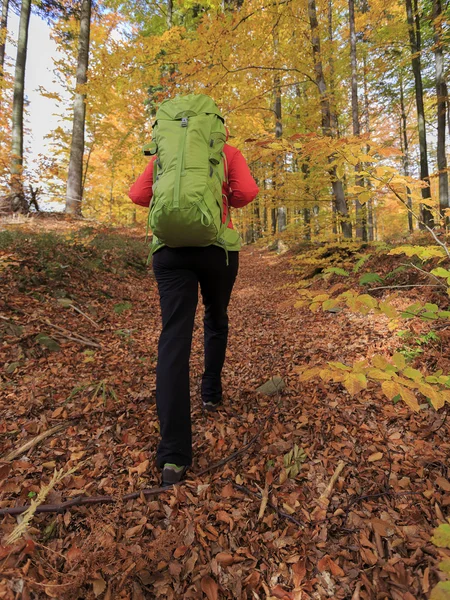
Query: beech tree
point(17, 197)
point(74, 192)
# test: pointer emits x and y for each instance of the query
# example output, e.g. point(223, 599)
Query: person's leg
point(216, 283)
point(178, 291)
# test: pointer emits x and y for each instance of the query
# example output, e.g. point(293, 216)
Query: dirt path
point(213, 538)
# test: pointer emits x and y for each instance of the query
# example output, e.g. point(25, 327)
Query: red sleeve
point(242, 186)
point(141, 191)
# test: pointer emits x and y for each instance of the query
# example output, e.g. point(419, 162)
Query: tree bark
point(18, 202)
point(415, 43)
point(169, 14)
point(441, 94)
point(278, 163)
point(74, 192)
point(361, 228)
point(366, 127)
point(405, 149)
point(3, 32)
point(338, 189)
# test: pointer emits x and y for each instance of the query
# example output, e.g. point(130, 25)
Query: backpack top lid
point(187, 106)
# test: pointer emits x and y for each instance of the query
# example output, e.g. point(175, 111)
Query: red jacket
point(239, 188)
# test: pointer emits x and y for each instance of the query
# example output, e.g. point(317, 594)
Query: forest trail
point(212, 537)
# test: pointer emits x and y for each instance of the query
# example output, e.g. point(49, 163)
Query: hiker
point(186, 255)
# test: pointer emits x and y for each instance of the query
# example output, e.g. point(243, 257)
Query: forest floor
point(79, 330)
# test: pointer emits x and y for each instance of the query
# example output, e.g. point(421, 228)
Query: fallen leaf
point(99, 586)
point(280, 593)
point(444, 484)
point(375, 456)
point(224, 559)
point(210, 588)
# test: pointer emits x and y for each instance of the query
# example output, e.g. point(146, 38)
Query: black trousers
point(178, 272)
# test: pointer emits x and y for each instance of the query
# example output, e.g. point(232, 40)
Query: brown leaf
point(327, 564)
point(99, 586)
point(4, 471)
point(210, 588)
point(227, 491)
point(376, 456)
point(280, 593)
point(444, 484)
point(180, 551)
point(221, 515)
point(299, 571)
point(224, 559)
point(141, 468)
point(129, 533)
point(74, 553)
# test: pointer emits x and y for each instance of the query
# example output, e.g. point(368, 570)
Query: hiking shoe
point(172, 474)
point(211, 406)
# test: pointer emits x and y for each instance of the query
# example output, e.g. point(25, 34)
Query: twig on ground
point(72, 337)
point(37, 440)
point(264, 501)
point(85, 315)
point(439, 281)
point(246, 490)
point(329, 489)
point(395, 287)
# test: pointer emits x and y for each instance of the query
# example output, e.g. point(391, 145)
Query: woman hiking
point(189, 250)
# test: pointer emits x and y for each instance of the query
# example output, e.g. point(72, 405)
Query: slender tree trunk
point(366, 125)
point(18, 202)
point(169, 14)
point(3, 32)
point(441, 93)
point(405, 150)
point(74, 192)
point(361, 229)
point(278, 163)
point(338, 189)
point(334, 116)
point(415, 42)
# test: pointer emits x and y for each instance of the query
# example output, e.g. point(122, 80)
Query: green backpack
point(187, 204)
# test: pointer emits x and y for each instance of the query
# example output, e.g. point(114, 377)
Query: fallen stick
point(35, 441)
point(264, 501)
point(79, 338)
point(85, 315)
point(249, 492)
point(91, 500)
point(329, 489)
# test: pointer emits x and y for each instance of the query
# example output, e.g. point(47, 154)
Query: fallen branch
point(249, 492)
point(329, 489)
point(320, 511)
point(416, 285)
point(84, 315)
point(35, 441)
point(73, 338)
point(91, 500)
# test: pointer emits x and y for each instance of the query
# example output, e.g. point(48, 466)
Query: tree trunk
point(278, 163)
point(415, 42)
point(74, 192)
point(3, 32)
point(338, 189)
point(366, 123)
point(18, 202)
point(441, 93)
point(169, 14)
point(361, 229)
point(334, 116)
point(405, 150)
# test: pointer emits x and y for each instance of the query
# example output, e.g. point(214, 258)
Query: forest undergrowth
point(309, 493)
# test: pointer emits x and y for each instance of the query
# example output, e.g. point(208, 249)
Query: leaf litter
point(352, 519)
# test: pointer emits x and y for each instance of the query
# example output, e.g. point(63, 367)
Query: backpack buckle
point(184, 122)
